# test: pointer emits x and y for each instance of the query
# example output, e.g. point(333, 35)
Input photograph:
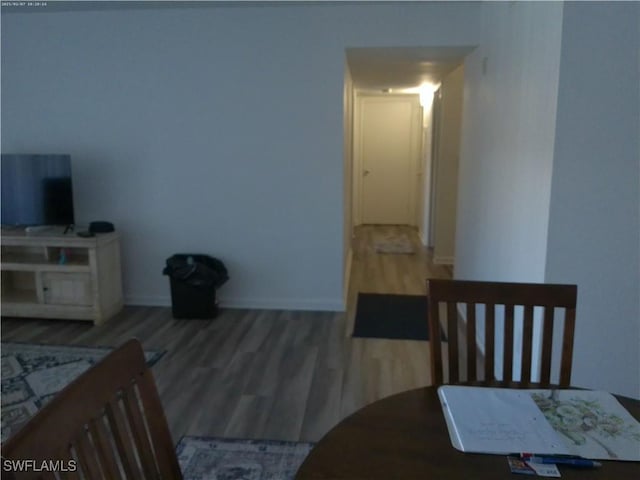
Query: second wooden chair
point(106, 424)
point(455, 293)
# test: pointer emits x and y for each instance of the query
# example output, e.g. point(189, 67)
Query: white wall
point(507, 148)
point(594, 226)
point(555, 198)
point(208, 129)
point(446, 168)
point(506, 161)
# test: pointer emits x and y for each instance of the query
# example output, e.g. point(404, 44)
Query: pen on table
point(561, 460)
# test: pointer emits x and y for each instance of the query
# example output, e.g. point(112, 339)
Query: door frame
point(436, 110)
point(358, 162)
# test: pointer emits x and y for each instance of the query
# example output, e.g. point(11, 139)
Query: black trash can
point(194, 280)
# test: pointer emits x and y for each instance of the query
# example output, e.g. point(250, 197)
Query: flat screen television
point(36, 190)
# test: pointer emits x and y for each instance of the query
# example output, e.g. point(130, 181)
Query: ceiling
point(402, 67)
point(371, 68)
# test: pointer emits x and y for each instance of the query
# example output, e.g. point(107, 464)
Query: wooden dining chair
point(106, 424)
point(455, 296)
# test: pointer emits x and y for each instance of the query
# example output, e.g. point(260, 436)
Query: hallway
point(397, 273)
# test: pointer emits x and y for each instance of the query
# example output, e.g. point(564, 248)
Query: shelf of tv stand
point(44, 267)
point(52, 274)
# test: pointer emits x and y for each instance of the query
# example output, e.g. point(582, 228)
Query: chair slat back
point(109, 423)
point(453, 293)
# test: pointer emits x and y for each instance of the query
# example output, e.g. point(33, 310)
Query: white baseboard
point(439, 260)
point(147, 300)
point(312, 304)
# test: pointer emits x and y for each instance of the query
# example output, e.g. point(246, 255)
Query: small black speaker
point(101, 227)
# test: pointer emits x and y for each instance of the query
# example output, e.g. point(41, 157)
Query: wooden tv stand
point(50, 274)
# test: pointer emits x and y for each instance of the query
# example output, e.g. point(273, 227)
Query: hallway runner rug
point(212, 458)
point(32, 374)
point(396, 317)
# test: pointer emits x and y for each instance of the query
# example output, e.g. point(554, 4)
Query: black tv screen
point(36, 190)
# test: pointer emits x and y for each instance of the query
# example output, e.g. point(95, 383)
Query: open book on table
point(589, 424)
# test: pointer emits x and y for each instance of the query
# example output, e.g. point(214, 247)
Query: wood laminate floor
point(287, 375)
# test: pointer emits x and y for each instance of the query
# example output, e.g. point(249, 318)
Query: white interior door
point(388, 164)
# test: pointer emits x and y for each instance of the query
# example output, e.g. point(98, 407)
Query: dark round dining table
point(405, 436)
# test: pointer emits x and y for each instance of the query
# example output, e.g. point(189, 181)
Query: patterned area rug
point(33, 374)
point(394, 244)
point(205, 458)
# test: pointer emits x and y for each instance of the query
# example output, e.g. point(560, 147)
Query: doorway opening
point(394, 168)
